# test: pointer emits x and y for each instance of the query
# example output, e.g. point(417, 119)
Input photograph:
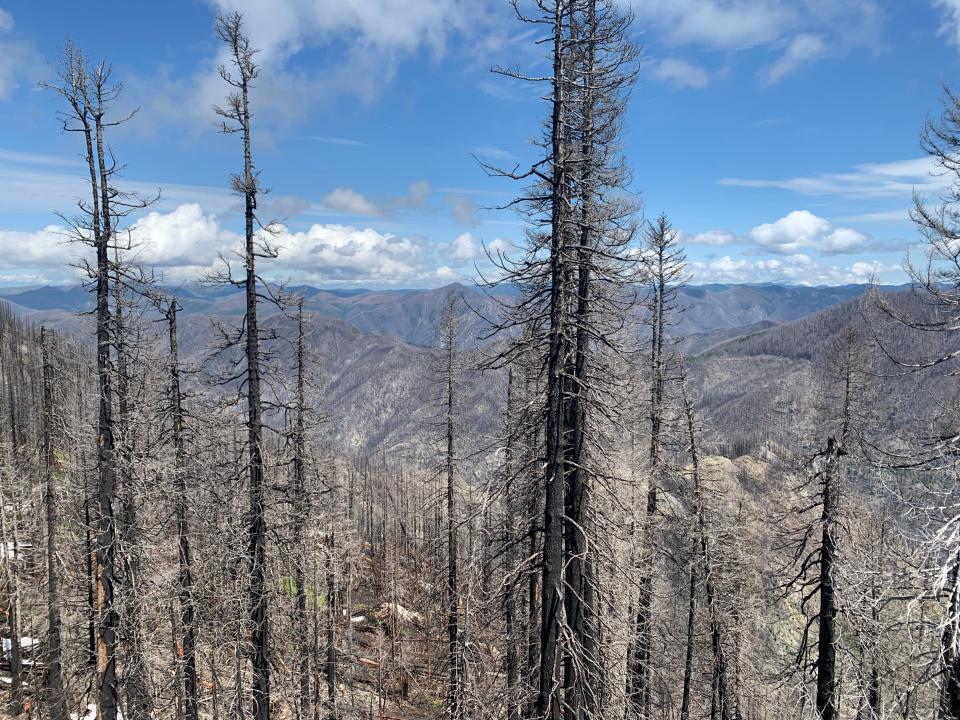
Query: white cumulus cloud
point(47, 247)
point(801, 229)
point(796, 269)
point(464, 249)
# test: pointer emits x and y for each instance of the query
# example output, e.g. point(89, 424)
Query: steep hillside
point(697, 343)
point(373, 351)
point(771, 383)
point(709, 307)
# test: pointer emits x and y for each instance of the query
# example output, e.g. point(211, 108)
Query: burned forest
point(584, 483)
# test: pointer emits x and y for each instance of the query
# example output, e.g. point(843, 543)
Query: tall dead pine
point(237, 119)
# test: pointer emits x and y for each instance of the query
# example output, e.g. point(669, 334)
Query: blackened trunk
point(106, 531)
point(512, 659)
point(257, 543)
point(331, 649)
point(135, 677)
point(299, 522)
point(187, 639)
point(56, 698)
point(580, 677)
point(950, 657)
point(688, 662)
point(548, 703)
point(454, 679)
point(826, 699)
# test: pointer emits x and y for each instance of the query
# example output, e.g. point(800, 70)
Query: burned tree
point(663, 270)
point(236, 119)
point(814, 545)
point(187, 619)
point(90, 95)
point(449, 332)
point(56, 695)
point(573, 272)
point(725, 702)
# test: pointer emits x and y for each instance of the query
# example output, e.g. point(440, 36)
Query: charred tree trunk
point(826, 700)
point(135, 676)
point(331, 640)
point(548, 703)
point(237, 116)
point(512, 657)
point(688, 662)
point(448, 332)
point(187, 638)
point(580, 659)
point(106, 529)
point(724, 703)
point(299, 522)
point(56, 697)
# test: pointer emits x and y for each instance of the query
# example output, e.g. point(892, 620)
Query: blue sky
point(781, 136)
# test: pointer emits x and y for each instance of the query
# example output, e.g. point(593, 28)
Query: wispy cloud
point(883, 216)
point(463, 208)
point(337, 141)
point(352, 202)
point(492, 152)
point(34, 182)
point(19, 59)
point(711, 238)
point(723, 24)
point(371, 40)
point(950, 24)
point(680, 73)
point(18, 157)
point(804, 49)
point(889, 179)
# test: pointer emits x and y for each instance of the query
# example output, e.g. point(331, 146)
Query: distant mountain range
point(412, 315)
point(756, 354)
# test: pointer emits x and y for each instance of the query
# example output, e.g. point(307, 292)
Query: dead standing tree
point(307, 641)
point(572, 271)
point(56, 696)
point(663, 268)
point(725, 700)
point(815, 545)
point(90, 95)
point(545, 272)
point(187, 620)
point(936, 287)
point(602, 71)
point(449, 334)
point(237, 120)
